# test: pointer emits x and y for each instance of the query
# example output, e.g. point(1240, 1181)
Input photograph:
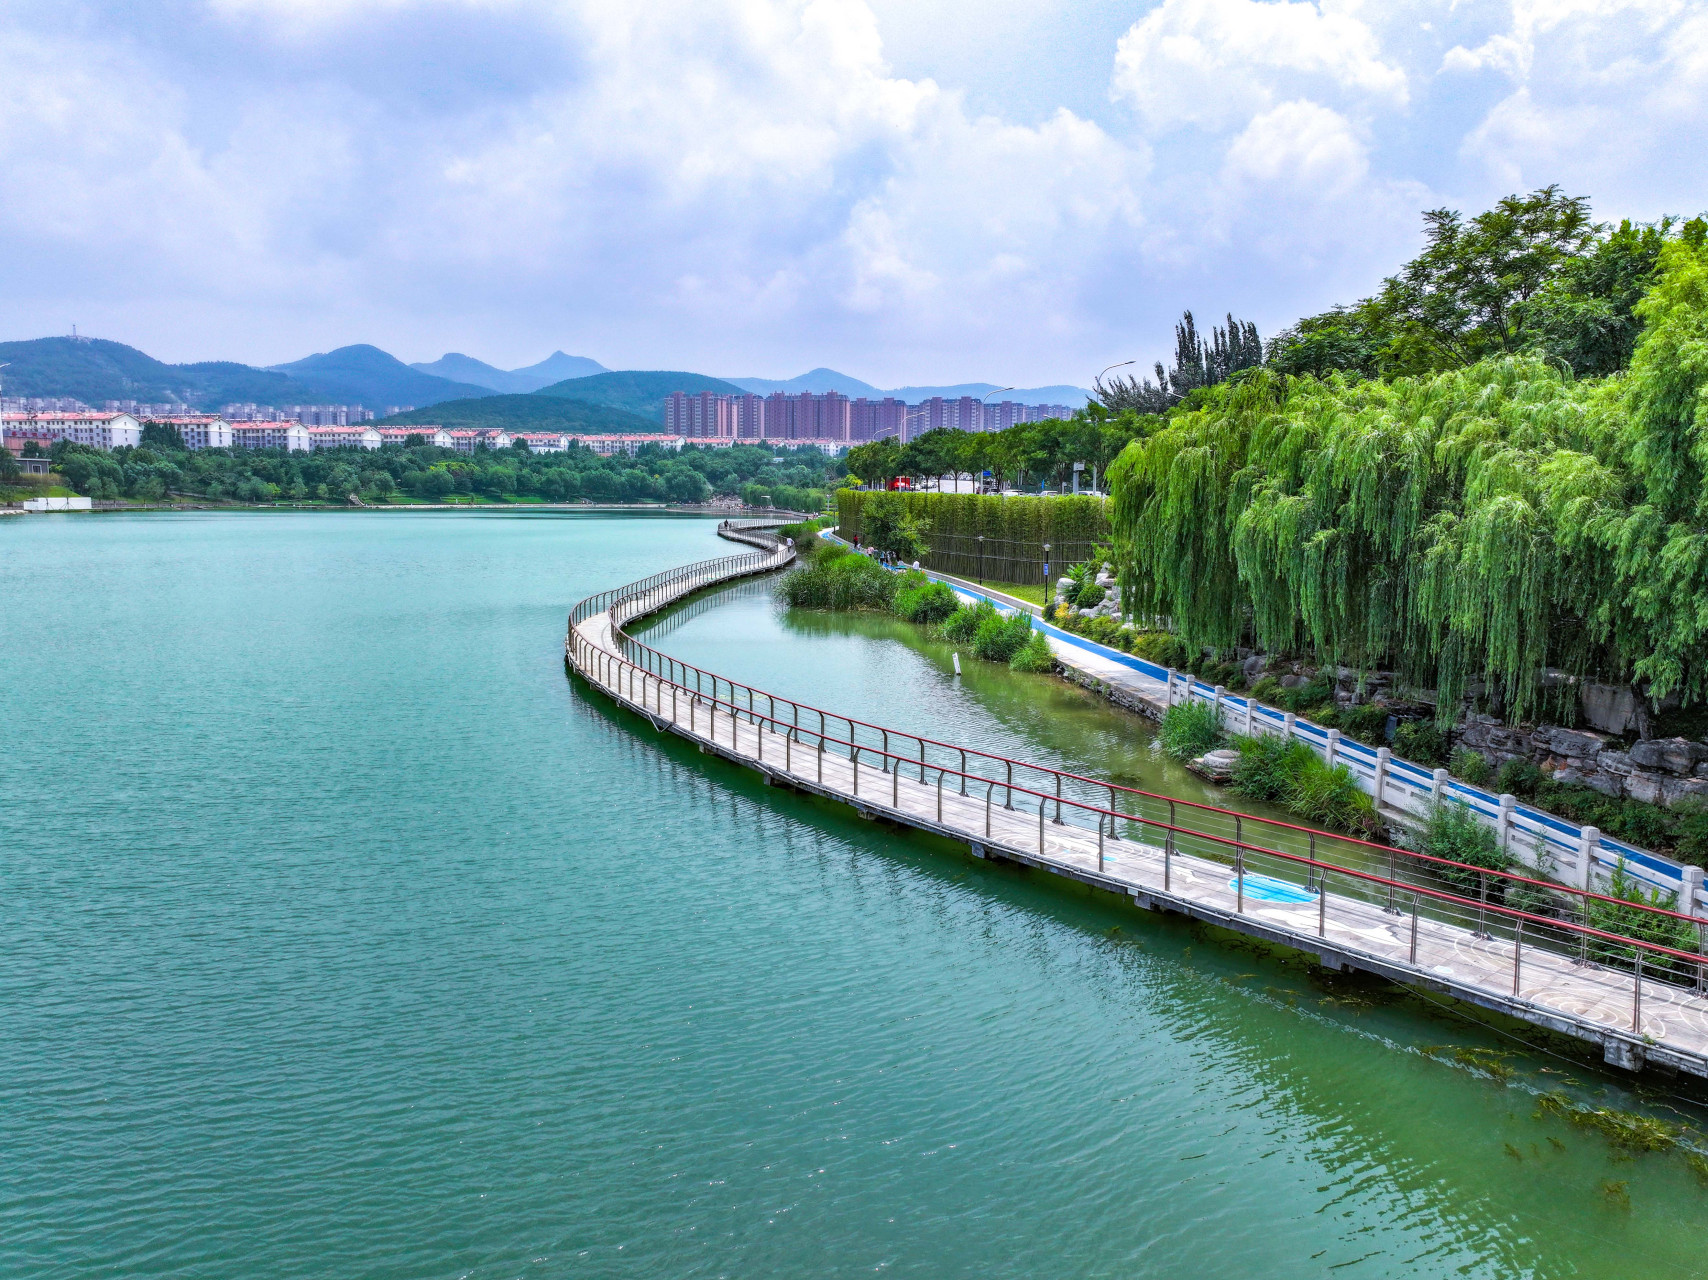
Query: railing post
point(1168, 853)
point(1333, 749)
point(1504, 821)
point(1249, 713)
point(1239, 878)
point(895, 787)
point(1414, 901)
point(1008, 792)
point(939, 797)
point(1058, 799)
point(1383, 757)
point(1437, 786)
point(1042, 803)
point(1589, 840)
point(988, 788)
point(1216, 701)
point(1637, 995)
point(1289, 725)
point(1517, 951)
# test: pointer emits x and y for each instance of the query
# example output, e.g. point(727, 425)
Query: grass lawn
point(1031, 592)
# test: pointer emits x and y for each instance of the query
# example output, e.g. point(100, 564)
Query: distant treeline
point(160, 467)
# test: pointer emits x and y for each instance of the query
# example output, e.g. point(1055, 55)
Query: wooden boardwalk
point(1636, 1022)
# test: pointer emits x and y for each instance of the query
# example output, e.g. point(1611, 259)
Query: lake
point(346, 935)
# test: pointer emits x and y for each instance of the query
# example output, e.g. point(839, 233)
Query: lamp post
point(981, 559)
point(1046, 575)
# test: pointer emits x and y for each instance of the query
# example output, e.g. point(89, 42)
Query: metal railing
point(1564, 920)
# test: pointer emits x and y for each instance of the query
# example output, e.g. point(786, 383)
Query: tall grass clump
point(1189, 729)
point(1269, 768)
point(1288, 773)
point(1035, 655)
point(999, 637)
point(962, 625)
point(836, 579)
point(919, 599)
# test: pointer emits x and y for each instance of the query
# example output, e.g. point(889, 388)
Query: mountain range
point(554, 368)
point(821, 380)
point(95, 370)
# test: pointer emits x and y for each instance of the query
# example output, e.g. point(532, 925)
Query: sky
point(910, 191)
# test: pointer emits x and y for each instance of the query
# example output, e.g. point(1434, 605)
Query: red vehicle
point(900, 482)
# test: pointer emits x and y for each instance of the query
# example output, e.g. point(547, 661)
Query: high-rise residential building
point(749, 416)
point(701, 415)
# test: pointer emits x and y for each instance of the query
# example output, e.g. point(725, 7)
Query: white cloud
point(1607, 95)
point(1217, 62)
point(1298, 147)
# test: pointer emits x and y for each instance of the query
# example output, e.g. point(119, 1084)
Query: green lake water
point(344, 935)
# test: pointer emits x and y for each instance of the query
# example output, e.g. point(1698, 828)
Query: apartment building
point(98, 430)
point(700, 415)
point(200, 430)
point(342, 437)
point(430, 433)
point(609, 445)
point(291, 436)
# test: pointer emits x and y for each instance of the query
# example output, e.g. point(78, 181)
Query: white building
point(292, 436)
point(434, 435)
point(99, 430)
point(200, 430)
point(543, 441)
point(342, 437)
point(468, 439)
point(608, 445)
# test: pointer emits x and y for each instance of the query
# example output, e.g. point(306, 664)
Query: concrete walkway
point(1634, 1022)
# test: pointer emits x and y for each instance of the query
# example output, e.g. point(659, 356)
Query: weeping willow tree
point(1485, 523)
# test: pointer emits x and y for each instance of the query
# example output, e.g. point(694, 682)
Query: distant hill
point(817, 381)
point(365, 375)
point(641, 392)
point(528, 413)
point(1072, 397)
point(554, 368)
point(822, 380)
point(94, 369)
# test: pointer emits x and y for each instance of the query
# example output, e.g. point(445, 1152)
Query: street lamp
point(1046, 576)
point(981, 559)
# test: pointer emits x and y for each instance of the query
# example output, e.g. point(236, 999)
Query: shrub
point(1691, 841)
point(805, 535)
point(963, 624)
point(1123, 639)
point(1102, 629)
point(1267, 689)
point(1454, 833)
point(1189, 729)
point(1633, 922)
point(1470, 766)
point(1520, 777)
point(1316, 692)
point(1422, 741)
point(1368, 723)
point(1089, 596)
point(999, 638)
point(1161, 648)
point(919, 599)
point(1034, 655)
point(840, 581)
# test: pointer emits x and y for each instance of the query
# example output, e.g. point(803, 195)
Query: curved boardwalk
point(1595, 986)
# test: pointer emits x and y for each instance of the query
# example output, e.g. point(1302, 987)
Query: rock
point(1104, 578)
point(1643, 786)
point(1675, 791)
point(1569, 742)
point(1615, 762)
point(1701, 770)
point(1610, 707)
point(1292, 682)
point(1253, 667)
point(1606, 783)
point(1567, 775)
point(1217, 766)
point(1675, 755)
